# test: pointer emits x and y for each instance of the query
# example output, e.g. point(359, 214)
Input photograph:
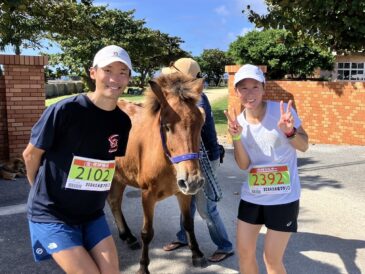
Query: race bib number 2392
point(269, 179)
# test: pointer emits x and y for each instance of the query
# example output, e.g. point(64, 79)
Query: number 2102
point(93, 174)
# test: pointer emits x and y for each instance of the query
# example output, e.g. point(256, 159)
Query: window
point(350, 71)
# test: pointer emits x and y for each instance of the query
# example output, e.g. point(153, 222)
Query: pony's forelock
point(176, 84)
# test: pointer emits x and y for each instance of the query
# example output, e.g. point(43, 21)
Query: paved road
point(331, 222)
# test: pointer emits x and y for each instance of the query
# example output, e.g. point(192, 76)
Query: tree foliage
point(279, 50)
point(110, 27)
point(152, 49)
point(25, 23)
point(148, 49)
point(81, 29)
point(335, 24)
point(212, 63)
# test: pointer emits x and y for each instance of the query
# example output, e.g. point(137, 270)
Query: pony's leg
point(115, 198)
point(148, 204)
point(188, 222)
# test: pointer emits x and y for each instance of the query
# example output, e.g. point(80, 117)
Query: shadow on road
point(305, 242)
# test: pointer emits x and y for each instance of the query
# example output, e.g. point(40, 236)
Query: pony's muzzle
point(190, 187)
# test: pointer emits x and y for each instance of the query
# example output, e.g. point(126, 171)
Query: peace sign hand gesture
point(234, 127)
point(286, 122)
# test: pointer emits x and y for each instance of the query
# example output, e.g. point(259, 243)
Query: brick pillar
point(4, 145)
point(234, 103)
point(22, 101)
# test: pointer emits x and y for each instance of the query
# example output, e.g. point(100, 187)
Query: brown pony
point(161, 157)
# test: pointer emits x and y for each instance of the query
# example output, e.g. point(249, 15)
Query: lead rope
point(209, 175)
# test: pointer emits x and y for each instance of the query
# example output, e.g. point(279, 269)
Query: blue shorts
point(49, 238)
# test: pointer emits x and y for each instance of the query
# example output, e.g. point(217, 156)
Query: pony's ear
point(156, 89)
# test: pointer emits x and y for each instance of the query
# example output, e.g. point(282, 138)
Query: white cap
point(110, 54)
point(249, 71)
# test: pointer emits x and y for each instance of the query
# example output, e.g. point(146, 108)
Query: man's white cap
point(249, 71)
point(110, 54)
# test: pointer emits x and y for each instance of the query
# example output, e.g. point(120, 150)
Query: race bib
point(90, 174)
point(269, 179)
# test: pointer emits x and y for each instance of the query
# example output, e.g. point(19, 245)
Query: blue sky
point(202, 24)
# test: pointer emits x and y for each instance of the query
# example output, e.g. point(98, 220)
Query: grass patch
point(220, 119)
point(132, 98)
point(52, 101)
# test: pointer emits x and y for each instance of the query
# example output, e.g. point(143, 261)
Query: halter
point(179, 158)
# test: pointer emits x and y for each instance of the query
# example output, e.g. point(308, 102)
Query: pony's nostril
point(182, 184)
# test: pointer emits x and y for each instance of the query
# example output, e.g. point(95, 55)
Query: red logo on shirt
point(113, 141)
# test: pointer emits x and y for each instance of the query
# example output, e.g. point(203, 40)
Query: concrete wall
point(22, 100)
point(331, 112)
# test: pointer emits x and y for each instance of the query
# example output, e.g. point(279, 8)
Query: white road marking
point(15, 209)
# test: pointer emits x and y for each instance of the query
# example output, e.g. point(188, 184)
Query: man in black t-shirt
point(70, 162)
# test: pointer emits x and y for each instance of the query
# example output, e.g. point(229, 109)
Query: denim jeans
point(209, 212)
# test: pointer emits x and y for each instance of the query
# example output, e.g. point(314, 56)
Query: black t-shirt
point(73, 127)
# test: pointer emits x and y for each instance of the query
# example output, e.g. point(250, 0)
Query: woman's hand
point(234, 127)
point(286, 122)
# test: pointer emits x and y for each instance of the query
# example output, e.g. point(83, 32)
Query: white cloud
point(233, 36)
point(222, 10)
point(245, 30)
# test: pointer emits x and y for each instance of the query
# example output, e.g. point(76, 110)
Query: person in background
point(70, 162)
point(265, 137)
point(207, 209)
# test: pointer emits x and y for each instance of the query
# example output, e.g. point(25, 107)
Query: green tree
point(152, 49)
point(279, 50)
point(81, 29)
point(212, 63)
point(148, 49)
point(109, 27)
point(335, 24)
point(26, 23)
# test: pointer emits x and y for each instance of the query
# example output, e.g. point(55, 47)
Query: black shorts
point(276, 217)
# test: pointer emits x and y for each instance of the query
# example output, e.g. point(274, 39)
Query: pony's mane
point(175, 84)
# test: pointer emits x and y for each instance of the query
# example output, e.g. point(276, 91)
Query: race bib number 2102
point(90, 174)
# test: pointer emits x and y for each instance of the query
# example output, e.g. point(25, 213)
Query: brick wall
point(4, 151)
point(331, 112)
point(22, 100)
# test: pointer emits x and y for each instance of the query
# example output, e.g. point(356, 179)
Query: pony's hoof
point(200, 262)
point(133, 244)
